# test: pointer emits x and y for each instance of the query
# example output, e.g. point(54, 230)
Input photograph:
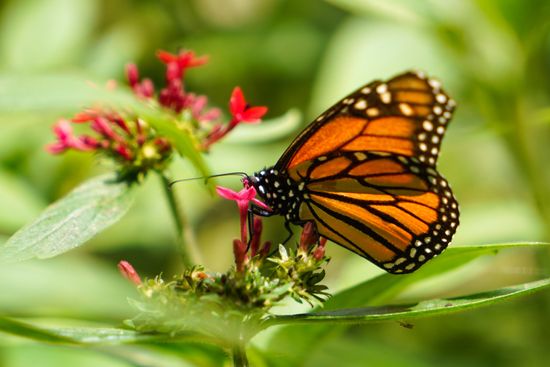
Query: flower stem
point(239, 355)
point(188, 247)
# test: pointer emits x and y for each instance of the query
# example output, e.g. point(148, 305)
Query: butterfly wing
point(368, 166)
point(406, 115)
point(388, 208)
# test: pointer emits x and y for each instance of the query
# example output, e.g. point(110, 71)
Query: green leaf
point(18, 328)
point(382, 288)
point(71, 221)
point(421, 309)
point(93, 335)
point(81, 335)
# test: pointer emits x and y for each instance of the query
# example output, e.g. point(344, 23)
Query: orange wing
point(388, 208)
point(407, 115)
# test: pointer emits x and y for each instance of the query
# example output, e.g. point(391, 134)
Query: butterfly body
point(364, 173)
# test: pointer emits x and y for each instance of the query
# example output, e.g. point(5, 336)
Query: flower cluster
point(213, 303)
point(132, 143)
point(132, 140)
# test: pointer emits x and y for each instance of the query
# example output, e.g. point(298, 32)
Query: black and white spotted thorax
point(282, 194)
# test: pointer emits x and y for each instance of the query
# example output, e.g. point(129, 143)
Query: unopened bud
point(308, 237)
point(239, 250)
point(319, 252)
point(128, 272)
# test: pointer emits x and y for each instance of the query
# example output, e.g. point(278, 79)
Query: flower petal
point(56, 148)
point(63, 130)
point(254, 114)
point(237, 103)
point(226, 193)
point(166, 57)
point(261, 204)
point(132, 74)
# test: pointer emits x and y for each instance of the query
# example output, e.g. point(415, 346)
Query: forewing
point(391, 209)
point(406, 115)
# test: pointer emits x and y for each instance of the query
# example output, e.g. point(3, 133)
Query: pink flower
point(243, 199)
point(177, 64)
point(128, 272)
point(198, 105)
point(242, 111)
point(103, 126)
point(124, 151)
point(66, 140)
point(145, 88)
point(173, 96)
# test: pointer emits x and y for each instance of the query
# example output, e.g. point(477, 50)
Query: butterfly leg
point(250, 222)
point(254, 210)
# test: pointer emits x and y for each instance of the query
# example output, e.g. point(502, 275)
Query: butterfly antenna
point(206, 178)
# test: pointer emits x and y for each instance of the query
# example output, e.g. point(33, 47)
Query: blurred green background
point(492, 56)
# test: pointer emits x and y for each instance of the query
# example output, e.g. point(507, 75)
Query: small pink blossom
point(145, 88)
point(124, 151)
point(242, 111)
point(176, 65)
point(198, 105)
point(66, 140)
point(243, 199)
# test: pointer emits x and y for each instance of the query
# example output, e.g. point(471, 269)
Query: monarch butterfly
point(364, 172)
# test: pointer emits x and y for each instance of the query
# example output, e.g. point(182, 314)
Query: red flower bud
point(319, 252)
point(128, 272)
point(309, 237)
point(239, 250)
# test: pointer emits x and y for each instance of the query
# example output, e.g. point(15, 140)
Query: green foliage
point(425, 308)
point(82, 214)
point(491, 55)
point(193, 306)
point(214, 304)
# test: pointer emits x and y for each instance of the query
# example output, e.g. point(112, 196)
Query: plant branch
point(188, 247)
point(239, 355)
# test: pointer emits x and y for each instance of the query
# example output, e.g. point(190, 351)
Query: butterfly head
point(279, 192)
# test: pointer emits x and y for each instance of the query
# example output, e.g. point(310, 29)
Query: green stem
point(239, 355)
point(188, 247)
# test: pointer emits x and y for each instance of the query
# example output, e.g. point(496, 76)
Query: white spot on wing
point(382, 88)
point(360, 104)
point(406, 109)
